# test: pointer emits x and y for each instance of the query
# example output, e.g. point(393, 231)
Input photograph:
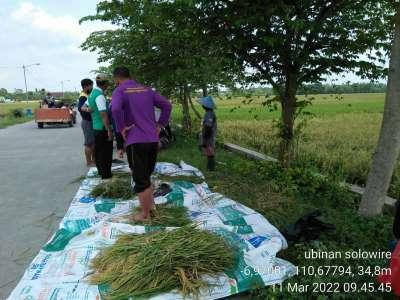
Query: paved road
point(36, 168)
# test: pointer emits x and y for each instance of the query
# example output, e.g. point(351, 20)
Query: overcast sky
point(48, 32)
point(45, 32)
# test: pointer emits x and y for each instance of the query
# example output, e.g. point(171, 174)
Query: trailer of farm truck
point(51, 116)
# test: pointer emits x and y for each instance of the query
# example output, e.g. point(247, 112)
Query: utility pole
point(62, 87)
point(26, 86)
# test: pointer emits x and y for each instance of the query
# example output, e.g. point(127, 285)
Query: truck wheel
point(40, 125)
point(70, 124)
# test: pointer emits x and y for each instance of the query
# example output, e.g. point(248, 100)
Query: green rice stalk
point(118, 187)
point(193, 179)
point(158, 262)
point(164, 215)
point(122, 175)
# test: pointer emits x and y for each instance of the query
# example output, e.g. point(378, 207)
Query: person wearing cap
point(103, 134)
point(133, 111)
point(208, 131)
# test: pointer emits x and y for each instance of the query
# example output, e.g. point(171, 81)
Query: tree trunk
point(288, 103)
point(198, 115)
point(205, 91)
point(387, 150)
point(187, 121)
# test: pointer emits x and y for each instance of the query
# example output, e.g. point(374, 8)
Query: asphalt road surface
point(36, 170)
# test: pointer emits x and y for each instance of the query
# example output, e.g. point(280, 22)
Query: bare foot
point(140, 218)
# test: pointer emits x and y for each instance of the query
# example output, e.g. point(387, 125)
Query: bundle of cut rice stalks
point(164, 215)
point(159, 262)
point(166, 178)
point(119, 187)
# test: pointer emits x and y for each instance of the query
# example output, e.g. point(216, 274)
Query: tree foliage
point(163, 45)
point(181, 45)
point(290, 43)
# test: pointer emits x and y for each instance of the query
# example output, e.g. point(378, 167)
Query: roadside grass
point(7, 107)
point(6, 117)
point(283, 196)
point(9, 120)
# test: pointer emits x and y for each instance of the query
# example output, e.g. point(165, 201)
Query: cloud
point(38, 18)
point(34, 33)
point(66, 25)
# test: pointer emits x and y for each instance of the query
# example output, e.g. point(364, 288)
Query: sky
point(46, 32)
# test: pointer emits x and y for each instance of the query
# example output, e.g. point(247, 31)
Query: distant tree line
point(37, 94)
point(311, 89)
point(349, 88)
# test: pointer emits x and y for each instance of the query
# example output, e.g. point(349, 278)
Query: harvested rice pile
point(117, 187)
point(193, 179)
point(148, 264)
point(165, 215)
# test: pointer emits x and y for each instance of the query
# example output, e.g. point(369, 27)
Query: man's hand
point(124, 132)
point(120, 153)
point(86, 108)
point(110, 135)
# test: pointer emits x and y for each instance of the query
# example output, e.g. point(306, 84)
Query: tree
point(287, 44)
point(388, 148)
point(3, 92)
point(163, 45)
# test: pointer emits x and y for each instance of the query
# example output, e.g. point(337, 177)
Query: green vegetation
point(284, 195)
point(20, 96)
point(280, 42)
point(234, 108)
point(193, 179)
point(165, 215)
point(338, 140)
point(14, 113)
point(118, 187)
point(128, 267)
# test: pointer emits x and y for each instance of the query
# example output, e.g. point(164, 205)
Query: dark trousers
point(103, 151)
point(142, 159)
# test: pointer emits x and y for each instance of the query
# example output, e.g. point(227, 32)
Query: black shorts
point(142, 160)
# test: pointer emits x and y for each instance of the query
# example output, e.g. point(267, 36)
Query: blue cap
point(207, 102)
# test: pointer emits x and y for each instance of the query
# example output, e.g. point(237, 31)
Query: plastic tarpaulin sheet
point(60, 269)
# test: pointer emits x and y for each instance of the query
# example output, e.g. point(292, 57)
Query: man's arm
point(165, 106)
point(117, 111)
point(81, 103)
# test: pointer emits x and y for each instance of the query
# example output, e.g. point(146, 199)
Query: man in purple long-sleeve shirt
point(133, 112)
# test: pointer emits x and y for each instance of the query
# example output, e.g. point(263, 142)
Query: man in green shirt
point(103, 134)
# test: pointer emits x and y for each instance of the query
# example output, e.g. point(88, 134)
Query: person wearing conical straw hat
point(208, 131)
